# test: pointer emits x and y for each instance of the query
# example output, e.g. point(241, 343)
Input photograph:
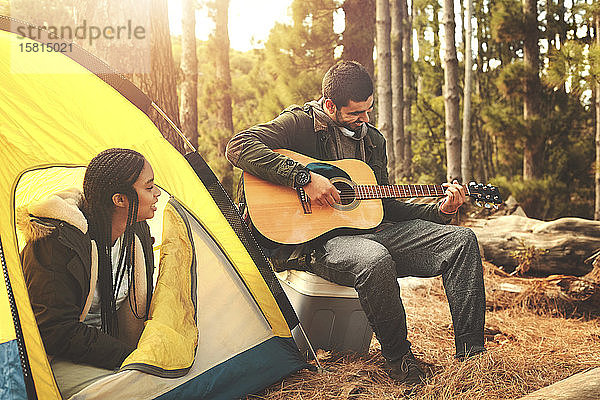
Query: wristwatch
point(302, 178)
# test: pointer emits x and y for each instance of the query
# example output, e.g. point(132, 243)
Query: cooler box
point(330, 314)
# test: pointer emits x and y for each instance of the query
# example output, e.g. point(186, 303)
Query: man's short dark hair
point(345, 81)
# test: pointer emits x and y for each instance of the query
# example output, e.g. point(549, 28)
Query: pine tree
point(359, 33)
point(409, 86)
point(384, 92)
point(397, 60)
point(298, 55)
point(466, 131)
point(223, 84)
point(189, 67)
point(597, 139)
point(451, 96)
point(533, 152)
point(159, 80)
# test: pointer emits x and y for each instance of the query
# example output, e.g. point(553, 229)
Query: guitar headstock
point(487, 195)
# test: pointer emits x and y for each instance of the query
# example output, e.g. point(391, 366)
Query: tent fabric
point(237, 354)
point(51, 125)
point(12, 385)
point(214, 383)
point(168, 343)
point(7, 347)
point(222, 199)
point(94, 64)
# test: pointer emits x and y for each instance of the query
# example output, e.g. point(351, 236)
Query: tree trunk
point(533, 153)
point(223, 77)
point(152, 69)
point(435, 25)
point(451, 97)
point(558, 295)
point(465, 154)
point(582, 386)
point(359, 34)
point(322, 27)
point(530, 246)
point(189, 67)
point(384, 89)
point(397, 82)
point(597, 164)
point(409, 86)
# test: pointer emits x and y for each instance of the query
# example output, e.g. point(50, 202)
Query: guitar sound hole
point(347, 194)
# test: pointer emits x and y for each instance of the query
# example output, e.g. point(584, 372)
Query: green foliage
point(539, 198)
point(570, 64)
point(427, 19)
point(567, 186)
point(527, 257)
point(508, 21)
point(289, 70)
point(298, 55)
point(428, 126)
point(429, 154)
point(594, 63)
point(290, 67)
point(513, 78)
point(564, 63)
point(249, 83)
point(547, 198)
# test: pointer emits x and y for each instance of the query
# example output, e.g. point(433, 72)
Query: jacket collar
point(321, 121)
point(63, 206)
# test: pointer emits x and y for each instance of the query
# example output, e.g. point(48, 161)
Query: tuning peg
point(488, 205)
point(496, 206)
point(478, 203)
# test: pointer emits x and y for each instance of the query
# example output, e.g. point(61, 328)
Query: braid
point(112, 171)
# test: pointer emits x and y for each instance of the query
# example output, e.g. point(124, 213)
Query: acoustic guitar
point(286, 215)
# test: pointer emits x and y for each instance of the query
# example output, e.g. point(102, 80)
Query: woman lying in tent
point(88, 262)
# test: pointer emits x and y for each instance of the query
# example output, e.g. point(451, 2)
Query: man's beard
point(347, 125)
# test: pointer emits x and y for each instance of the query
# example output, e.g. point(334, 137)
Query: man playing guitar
point(412, 239)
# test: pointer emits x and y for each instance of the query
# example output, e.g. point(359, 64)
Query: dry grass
point(526, 351)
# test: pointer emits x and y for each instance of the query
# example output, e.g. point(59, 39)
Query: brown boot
point(406, 370)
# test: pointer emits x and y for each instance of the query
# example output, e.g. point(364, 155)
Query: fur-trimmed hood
point(64, 206)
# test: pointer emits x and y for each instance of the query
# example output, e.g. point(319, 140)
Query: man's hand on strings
point(321, 191)
point(455, 197)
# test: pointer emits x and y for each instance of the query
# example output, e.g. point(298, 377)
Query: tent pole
point(165, 116)
point(312, 351)
point(186, 140)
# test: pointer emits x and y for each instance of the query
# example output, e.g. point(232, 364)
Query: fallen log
point(556, 294)
point(544, 248)
point(581, 386)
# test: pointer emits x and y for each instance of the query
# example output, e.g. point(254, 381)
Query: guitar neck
point(365, 192)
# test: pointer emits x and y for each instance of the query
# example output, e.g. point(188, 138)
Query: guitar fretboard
point(364, 192)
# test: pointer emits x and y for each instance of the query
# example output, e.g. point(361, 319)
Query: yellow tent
point(51, 125)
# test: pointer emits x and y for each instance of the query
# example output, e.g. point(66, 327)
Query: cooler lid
point(313, 285)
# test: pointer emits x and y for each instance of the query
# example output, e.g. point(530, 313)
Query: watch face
point(302, 178)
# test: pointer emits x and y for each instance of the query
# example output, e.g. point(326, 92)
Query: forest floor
point(527, 350)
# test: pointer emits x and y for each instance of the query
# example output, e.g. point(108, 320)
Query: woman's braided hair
point(112, 171)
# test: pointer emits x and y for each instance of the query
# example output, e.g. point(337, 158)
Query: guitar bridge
point(304, 200)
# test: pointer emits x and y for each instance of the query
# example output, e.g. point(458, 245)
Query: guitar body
point(277, 213)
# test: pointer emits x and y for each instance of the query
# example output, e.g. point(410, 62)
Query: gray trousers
point(371, 263)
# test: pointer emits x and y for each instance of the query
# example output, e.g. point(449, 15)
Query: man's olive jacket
point(300, 130)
